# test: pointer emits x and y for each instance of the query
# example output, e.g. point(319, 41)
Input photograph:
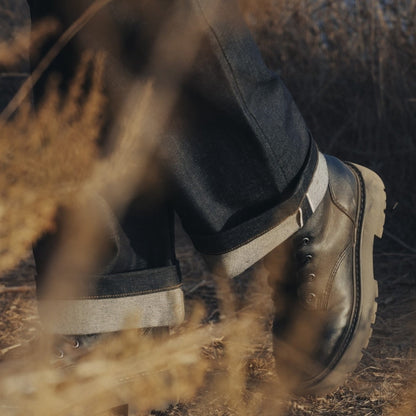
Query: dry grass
point(233, 353)
point(37, 154)
point(352, 71)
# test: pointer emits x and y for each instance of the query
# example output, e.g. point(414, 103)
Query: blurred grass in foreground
point(352, 70)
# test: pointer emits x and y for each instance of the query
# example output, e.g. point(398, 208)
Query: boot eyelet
point(310, 297)
point(59, 354)
point(76, 344)
point(311, 277)
point(308, 258)
point(306, 241)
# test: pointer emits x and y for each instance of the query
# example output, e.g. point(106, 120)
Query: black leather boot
point(323, 286)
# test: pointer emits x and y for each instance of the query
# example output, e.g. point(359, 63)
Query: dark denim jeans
point(238, 156)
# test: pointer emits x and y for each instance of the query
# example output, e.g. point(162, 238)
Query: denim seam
point(125, 295)
point(300, 204)
point(134, 273)
point(245, 107)
point(256, 236)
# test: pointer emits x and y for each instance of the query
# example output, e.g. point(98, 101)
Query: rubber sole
point(371, 223)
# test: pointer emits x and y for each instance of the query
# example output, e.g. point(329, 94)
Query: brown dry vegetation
point(353, 73)
point(37, 172)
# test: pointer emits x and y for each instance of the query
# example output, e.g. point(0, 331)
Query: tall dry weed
point(45, 156)
point(352, 73)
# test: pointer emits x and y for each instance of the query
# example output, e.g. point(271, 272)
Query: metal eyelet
point(311, 277)
point(306, 241)
point(59, 353)
point(310, 297)
point(76, 344)
point(308, 258)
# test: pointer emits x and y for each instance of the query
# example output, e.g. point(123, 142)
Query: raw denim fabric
point(241, 141)
point(234, 149)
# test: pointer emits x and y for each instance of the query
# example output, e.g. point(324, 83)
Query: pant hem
point(132, 283)
point(92, 316)
point(289, 218)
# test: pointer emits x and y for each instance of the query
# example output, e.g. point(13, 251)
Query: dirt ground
point(382, 382)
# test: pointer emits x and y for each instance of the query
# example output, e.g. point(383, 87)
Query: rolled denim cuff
point(135, 299)
point(233, 251)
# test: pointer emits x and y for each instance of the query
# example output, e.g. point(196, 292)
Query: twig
point(200, 284)
point(368, 354)
point(50, 56)
point(6, 350)
point(8, 289)
point(399, 241)
point(407, 315)
point(370, 367)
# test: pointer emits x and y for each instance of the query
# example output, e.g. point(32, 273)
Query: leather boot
point(323, 286)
